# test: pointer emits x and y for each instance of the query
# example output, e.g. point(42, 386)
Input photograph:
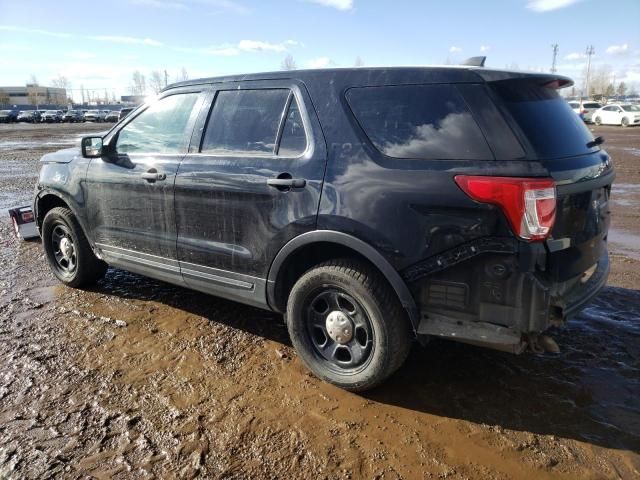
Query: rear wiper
point(595, 142)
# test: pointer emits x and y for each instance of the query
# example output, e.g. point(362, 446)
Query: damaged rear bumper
point(498, 295)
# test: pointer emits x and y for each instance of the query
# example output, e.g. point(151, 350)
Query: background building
point(32, 95)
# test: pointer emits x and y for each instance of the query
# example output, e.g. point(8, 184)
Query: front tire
point(347, 325)
point(68, 251)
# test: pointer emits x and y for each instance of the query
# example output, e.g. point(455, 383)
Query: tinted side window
point(545, 118)
point(293, 141)
point(245, 121)
point(160, 128)
point(418, 122)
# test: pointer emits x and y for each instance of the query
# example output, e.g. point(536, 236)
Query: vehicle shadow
point(589, 392)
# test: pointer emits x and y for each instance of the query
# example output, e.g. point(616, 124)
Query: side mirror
point(91, 147)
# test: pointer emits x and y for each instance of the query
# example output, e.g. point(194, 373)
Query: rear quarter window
point(418, 122)
point(545, 119)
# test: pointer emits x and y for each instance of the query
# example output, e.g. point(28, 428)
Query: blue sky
point(99, 48)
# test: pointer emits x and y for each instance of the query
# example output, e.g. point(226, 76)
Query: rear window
point(418, 122)
point(592, 105)
point(545, 118)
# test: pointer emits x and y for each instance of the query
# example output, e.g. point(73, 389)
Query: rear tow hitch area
point(539, 344)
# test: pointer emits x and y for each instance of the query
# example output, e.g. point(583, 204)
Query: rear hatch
point(556, 137)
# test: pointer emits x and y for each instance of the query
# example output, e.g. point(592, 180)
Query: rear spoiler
point(549, 80)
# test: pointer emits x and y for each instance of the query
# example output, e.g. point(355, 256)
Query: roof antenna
point(475, 61)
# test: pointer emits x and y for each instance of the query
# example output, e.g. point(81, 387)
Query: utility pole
point(590, 52)
point(555, 57)
point(166, 76)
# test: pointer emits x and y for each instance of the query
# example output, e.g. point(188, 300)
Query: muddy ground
point(139, 379)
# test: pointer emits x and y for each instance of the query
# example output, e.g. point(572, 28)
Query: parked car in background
point(8, 116)
point(73, 116)
point(447, 209)
point(112, 116)
point(588, 108)
point(52, 116)
point(584, 109)
point(94, 116)
point(624, 114)
point(30, 116)
point(124, 112)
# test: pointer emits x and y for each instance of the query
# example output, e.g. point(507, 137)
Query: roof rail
point(475, 61)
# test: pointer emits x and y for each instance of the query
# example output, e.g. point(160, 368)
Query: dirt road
point(139, 379)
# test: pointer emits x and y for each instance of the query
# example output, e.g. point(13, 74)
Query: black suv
point(370, 206)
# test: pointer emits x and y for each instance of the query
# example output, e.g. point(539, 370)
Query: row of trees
point(602, 82)
point(157, 81)
point(288, 63)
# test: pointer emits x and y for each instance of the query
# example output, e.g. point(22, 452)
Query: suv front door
point(130, 191)
point(250, 183)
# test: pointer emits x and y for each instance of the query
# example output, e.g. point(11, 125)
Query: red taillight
point(27, 217)
point(528, 203)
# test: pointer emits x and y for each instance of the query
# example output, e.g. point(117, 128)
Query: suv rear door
point(129, 193)
point(250, 183)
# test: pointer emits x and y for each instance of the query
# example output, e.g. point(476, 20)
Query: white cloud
point(127, 40)
point(320, 62)
point(81, 55)
point(258, 46)
point(228, 5)
point(37, 31)
point(618, 49)
point(221, 51)
point(163, 4)
point(548, 5)
point(455, 49)
point(243, 46)
point(337, 4)
point(575, 56)
point(484, 48)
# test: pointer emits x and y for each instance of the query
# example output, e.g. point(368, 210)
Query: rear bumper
point(583, 291)
point(501, 299)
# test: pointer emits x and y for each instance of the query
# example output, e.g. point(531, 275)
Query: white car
point(617, 114)
point(585, 109)
point(94, 116)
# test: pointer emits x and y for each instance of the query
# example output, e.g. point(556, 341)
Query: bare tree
point(358, 62)
point(182, 75)
point(61, 82)
point(288, 63)
point(600, 78)
point(4, 98)
point(139, 85)
point(32, 90)
point(156, 82)
point(622, 89)
point(83, 94)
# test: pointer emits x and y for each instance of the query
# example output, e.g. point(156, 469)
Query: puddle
point(61, 141)
point(624, 243)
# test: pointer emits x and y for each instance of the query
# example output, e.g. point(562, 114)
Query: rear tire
point(347, 324)
point(598, 121)
point(624, 122)
point(68, 251)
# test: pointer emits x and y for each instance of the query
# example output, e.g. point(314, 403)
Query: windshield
point(630, 108)
point(545, 118)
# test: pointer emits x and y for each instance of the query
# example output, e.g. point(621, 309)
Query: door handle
point(287, 183)
point(152, 175)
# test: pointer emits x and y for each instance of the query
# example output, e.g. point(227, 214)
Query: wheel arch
point(48, 199)
point(312, 248)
